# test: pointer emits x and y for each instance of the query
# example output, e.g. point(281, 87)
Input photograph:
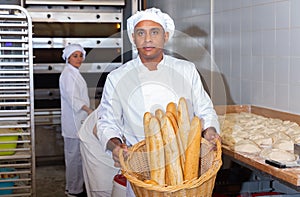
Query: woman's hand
point(87, 109)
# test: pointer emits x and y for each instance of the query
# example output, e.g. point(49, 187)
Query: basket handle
point(122, 160)
point(219, 149)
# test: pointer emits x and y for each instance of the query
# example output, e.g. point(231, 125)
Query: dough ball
point(287, 145)
point(281, 156)
point(247, 146)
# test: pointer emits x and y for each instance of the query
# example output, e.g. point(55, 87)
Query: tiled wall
point(192, 19)
point(256, 47)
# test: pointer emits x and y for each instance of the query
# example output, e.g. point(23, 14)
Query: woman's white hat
point(152, 14)
point(71, 49)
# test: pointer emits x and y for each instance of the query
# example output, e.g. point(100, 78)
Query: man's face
point(76, 59)
point(149, 38)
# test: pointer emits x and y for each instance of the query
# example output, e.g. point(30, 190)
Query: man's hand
point(114, 145)
point(116, 152)
point(211, 134)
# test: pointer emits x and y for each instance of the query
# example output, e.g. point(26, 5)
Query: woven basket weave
point(135, 168)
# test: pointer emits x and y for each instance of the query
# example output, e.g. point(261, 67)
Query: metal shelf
point(17, 147)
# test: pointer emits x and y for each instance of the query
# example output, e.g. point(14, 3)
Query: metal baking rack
point(17, 155)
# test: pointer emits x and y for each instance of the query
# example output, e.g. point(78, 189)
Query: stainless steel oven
point(98, 26)
point(77, 2)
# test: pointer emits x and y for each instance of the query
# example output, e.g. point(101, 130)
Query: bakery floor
point(50, 181)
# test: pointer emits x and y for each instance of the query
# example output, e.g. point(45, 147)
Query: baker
point(75, 107)
point(147, 83)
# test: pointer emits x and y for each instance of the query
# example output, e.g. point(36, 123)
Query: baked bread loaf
point(173, 121)
point(155, 148)
point(173, 144)
point(159, 114)
point(171, 107)
point(174, 174)
point(183, 120)
point(192, 153)
point(179, 142)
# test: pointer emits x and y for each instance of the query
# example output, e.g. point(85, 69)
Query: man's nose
point(148, 37)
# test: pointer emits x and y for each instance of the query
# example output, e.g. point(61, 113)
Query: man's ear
point(166, 36)
point(132, 36)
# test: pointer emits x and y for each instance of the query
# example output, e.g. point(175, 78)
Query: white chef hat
point(71, 49)
point(152, 14)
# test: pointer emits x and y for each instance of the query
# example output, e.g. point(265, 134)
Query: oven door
point(76, 2)
point(101, 37)
point(47, 94)
point(99, 31)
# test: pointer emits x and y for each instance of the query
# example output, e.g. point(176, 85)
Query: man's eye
point(140, 33)
point(154, 32)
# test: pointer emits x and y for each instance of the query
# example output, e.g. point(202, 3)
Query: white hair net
point(71, 49)
point(152, 14)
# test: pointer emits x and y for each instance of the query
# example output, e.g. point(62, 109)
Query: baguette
point(192, 153)
point(174, 174)
point(155, 149)
point(146, 119)
point(173, 120)
point(183, 121)
point(159, 114)
point(178, 138)
point(171, 107)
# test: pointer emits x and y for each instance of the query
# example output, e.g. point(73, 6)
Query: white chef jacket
point(132, 90)
point(74, 94)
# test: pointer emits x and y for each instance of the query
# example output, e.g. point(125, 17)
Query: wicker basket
point(135, 168)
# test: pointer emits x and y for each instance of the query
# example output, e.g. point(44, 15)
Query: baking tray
point(289, 176)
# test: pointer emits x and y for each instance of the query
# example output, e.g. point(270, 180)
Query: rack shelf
point(17, 147)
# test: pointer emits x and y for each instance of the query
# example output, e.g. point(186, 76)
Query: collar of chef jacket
point(144, 68)
point(156, 86)
point(72, 67)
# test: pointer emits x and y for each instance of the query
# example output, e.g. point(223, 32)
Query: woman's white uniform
point(74, 94)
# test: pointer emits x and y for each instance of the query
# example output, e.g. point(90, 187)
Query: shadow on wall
point(192, 44)
point(228, 95)
point(221, 93)
point(202, 78)
point(197, 33)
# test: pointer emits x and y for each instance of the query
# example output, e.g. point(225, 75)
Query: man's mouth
point(148, 48)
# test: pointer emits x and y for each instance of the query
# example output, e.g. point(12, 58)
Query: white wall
point(257, 47)
point(192, 19)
